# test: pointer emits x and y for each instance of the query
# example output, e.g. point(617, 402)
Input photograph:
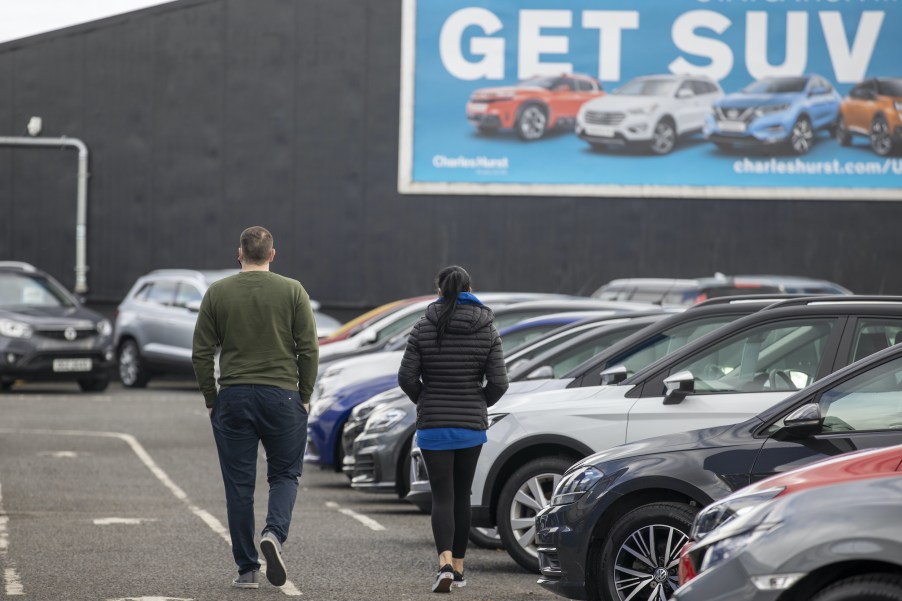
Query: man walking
point(269, 352)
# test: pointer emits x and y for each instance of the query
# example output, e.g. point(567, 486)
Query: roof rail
point(20, 265)
point(748, 298)
point(186, 272)
point(838, 299)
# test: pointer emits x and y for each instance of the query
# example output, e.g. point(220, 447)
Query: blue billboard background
point(441, 134)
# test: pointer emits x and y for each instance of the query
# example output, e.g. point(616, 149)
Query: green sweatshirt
point(264, 324)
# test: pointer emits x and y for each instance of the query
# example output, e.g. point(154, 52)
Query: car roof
point(18, 266)
point(583, 303)
point(801, 307)
point(207, 275)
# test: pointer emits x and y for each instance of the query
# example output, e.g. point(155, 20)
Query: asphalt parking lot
point(118, 496)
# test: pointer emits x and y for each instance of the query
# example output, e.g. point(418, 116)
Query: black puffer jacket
point(446, 382)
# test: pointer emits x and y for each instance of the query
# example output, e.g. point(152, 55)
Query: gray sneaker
point(271, 549)
point(247, 580)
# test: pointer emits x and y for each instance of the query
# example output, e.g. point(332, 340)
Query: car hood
point(613, 102)
point(680, 441)
point(739, 99)
point(538, 398)
point(39, 317)
point(504, 91)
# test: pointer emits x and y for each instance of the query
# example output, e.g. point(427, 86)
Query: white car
point(653, 111)
point(722, 378)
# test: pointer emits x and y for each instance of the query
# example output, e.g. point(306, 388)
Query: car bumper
point(420, 493)
point(484, 120)
point(562, 538)
point(626, 132)
point(32, 359)
point(352, 429)
point(375, 461)
point(727, 582)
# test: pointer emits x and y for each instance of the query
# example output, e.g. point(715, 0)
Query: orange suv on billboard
point(533, 106)
point(873, 109)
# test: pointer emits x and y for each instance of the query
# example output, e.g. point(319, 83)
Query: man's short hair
point(256, 244)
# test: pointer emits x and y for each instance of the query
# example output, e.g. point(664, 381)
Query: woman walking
point(453, 369)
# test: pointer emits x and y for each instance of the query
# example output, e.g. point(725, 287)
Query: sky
point(23, 18)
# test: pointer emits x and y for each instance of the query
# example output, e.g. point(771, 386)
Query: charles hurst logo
point(441, 161)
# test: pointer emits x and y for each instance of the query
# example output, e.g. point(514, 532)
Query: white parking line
point(123, 521)
point(365, 520)
point(12, 583)
point(209, 519)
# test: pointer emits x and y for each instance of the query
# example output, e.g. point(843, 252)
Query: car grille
point(734, 114)
point(365, 465)
point(80, 334)
point(604, 118)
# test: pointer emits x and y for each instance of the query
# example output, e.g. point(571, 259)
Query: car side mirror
point(802, 422)
point(614, 375)
point(369, 336)
point(545, 372)
point(685, 93)
point(679, 386)
point(817, 91)
point(193, 306)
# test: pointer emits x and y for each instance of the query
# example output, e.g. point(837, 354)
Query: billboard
point(668, 98)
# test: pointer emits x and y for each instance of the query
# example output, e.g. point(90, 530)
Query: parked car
point(623, 359)
point(533, 106)
point(684, 292)
point(724, 377)
point(836, 543)
point(775, 111)
point(46, 334)
point(645, 495)
point(873, 109)
point(355, 325)
point(653, 111)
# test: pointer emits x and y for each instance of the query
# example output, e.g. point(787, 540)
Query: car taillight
point(686, 569)
point(701, 297)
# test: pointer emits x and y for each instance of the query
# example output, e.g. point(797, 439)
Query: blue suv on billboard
point(775, 111)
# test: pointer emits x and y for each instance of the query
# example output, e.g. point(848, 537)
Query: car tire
point(94, 383)
point(870, 587)
point(485, 538)
point(669, 523)
point(880, 138)
point(843, 135)
point(132, 369)
point(6, 384)
point(663, 138)
point(537, 480)
point(724, 146)
point(531, 122)
point(801, 137)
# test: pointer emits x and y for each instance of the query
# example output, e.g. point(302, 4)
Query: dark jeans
point(242, 417)
point(450, 478)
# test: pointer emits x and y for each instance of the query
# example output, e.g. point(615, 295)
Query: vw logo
point(732, 113)
point(660, 575)
point(70, 334)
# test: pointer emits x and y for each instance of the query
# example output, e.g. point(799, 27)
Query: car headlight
point(575, 484)
point(104, 327)
point(718, 514)
point(724, 549)
point(643, 110)
point(321, 405)
point(494, 418)
point(15, 329)
point(380, 421)
point(769, 110)
point(363, 410)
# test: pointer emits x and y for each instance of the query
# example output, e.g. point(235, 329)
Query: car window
point(509, 319)
point(778, 356)
point(187, 293)
point(569, 358)
point(30, 290)
point(162, 293)
point(874, 334)
point(614, 293)
point(869, 401)
point(889, 87)
point(515, 340)
point(399, 325)
point(584, 85)
point(566, 82)
point(526, 353)
point(141, 294)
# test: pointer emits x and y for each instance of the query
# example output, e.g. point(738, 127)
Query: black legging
point(450, 477)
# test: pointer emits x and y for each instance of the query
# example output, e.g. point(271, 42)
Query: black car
point(618, 518)
point(46, 333)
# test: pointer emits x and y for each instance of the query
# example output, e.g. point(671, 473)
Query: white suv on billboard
point(652, 111)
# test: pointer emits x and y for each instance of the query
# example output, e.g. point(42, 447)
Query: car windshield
point(30, 290)
point(538, 82)
point(777, 85)
point(647, 87)
point(889, 87)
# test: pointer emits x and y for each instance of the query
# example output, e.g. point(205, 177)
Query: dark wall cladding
point(206, 116)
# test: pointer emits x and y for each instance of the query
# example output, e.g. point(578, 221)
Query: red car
point(876, 463)
point(532, 107)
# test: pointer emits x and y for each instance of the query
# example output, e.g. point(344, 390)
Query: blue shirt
point(448, 439)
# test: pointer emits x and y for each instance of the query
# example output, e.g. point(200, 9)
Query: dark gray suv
point(46, 334)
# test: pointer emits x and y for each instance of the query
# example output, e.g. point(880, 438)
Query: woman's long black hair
point(450, 281)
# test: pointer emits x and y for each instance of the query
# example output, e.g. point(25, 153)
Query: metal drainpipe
point(81, 209)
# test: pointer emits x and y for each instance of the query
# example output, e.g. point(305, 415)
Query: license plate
point(476, 107)
point(71, 365)
point(602, 131)
point(735, 126)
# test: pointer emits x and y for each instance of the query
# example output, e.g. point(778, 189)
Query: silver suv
point(155, 323)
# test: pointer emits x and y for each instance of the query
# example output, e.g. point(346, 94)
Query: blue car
point(328, 418)
point(786, 111)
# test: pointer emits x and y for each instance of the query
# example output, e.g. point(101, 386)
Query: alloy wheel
point(533, 496)
point(802, 136)
point(532, 123)
point(646, 563)
point(664, 138)
point(881, 143)
point(128, 364)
